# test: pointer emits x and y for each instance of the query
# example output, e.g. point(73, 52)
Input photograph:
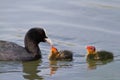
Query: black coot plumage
point(31, 51)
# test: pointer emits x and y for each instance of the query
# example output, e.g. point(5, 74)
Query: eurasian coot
point(92, 54)
point(60, 55)
point(31, 51)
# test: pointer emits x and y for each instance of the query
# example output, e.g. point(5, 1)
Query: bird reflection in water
point(53, 67)
point(56, 65)
point(92, 64)
point(30, 70)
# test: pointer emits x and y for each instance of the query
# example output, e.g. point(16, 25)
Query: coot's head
point(38, 35)
point(91, 49)
point(54, 50)
point(53, 53)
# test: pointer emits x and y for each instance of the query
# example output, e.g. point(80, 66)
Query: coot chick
point(60, 55)
point(31, 51)
point(92, 54)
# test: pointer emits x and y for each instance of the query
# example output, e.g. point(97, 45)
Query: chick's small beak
point(49, 41)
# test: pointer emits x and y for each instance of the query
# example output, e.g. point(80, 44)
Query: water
point(71, 24)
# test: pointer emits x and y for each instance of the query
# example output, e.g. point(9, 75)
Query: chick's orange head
point(54, 49)
point(91, 49)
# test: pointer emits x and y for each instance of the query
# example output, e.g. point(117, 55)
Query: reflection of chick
point(92, 54)
point(91, 65)
point(60, 55)
point(53, 67)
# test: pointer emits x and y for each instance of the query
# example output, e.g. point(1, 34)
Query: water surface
point(71, 24)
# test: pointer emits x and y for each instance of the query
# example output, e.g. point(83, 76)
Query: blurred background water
point(71, 24)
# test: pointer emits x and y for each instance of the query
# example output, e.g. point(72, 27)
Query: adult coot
point(31, 51)
point(60, 55)
point(92, 54)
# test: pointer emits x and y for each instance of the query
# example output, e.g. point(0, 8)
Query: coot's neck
point(32, 47)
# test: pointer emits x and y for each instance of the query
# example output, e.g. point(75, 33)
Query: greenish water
point(71, 24)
